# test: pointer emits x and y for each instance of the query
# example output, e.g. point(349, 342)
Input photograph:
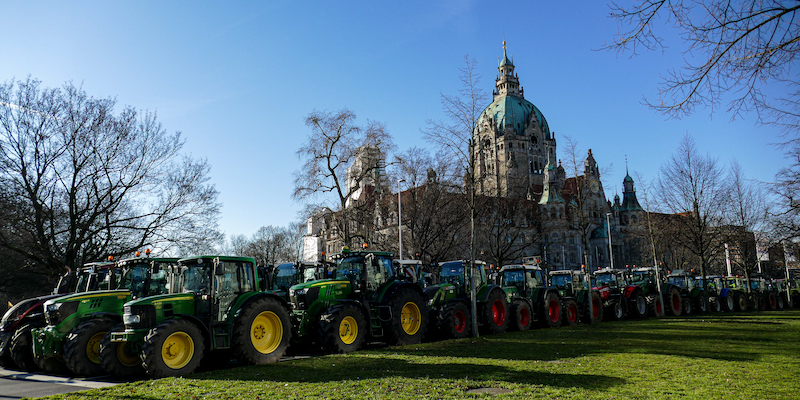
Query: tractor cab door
point(378, 270)
point(231, 279)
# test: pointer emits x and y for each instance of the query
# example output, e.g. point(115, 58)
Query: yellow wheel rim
point(266, 332)
point(93, 347)
point(348, 330)
point(177, 350)
point(410, 318)
point(125, 357)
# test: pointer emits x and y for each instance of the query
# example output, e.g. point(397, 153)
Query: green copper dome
point(514, 111)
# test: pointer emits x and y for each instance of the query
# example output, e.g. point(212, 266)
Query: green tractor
point(286, 275)
point(692, 294)
point(449, 302)
point(215, 306)
point(366, 299)
point(646, 278)
point(577, 300)
point(18, 323)
point(764, 294)
point(738, 290)
point(530, 298)
point(77, 323)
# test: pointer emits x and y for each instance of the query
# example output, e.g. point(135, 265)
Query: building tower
point(512, 138)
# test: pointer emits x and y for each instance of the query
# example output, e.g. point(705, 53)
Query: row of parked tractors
point(164, 316)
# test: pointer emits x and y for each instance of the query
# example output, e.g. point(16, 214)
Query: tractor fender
point(696, 292)
point(197, 322)
point(261, 295)
point(482, 296)
point(629, 291)
point(544, 292)
point(724, 293)
point(397, 286)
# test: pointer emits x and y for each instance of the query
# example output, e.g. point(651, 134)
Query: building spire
point(507, 83)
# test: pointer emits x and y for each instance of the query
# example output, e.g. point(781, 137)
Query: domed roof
point(515, 111)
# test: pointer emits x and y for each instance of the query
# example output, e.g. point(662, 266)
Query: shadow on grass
point(360, 366)
point(717, 337)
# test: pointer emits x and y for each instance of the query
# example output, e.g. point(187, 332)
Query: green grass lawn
point(734, 356)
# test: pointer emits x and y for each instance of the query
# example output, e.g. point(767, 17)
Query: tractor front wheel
point(570, 312)
point(21, 348)
point(173, 348)
point(119, 358)
point(772, 301)
point(82, 346)
point(741, 302)
point(615, 311)
point(702, 305)
point(454, 321)
point(728, 303)
point(261, 332)
point(408, 322)
point(715, 304)
point(593, 305)
point(639, 305)
point(522, 315)
point(687, 307)
point(342, 329)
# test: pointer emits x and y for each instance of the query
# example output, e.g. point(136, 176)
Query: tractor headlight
point(129, 319)
point(55, 313)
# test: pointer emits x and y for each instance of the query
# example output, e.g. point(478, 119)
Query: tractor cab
point(612, 278)
point(567, 281)
point(522, 279)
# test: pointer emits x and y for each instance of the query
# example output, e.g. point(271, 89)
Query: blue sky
point(238, 78)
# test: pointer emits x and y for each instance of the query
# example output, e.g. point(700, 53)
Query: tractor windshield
point(514, 277)
point(452, 272)
point(605, 279)
point(350, 268)
point(195, 278)
point(134, 277)
point(678, 281)
point(642, 277)
point(561, 281)
point(285, 276)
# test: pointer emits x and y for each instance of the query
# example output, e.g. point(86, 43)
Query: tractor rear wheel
point(571, 312)
point(674, 303)
point(261, 332)
point(495, 313)
point(522, 315)
point(21, 348)
point(408, 322)
point(82, 346)
point(655, 305)
point(342, 329)
point(781, 302)
point(173, 348)
point(741, 302)
point(453, 321)
point(551, 310)
point(639, 305)
point(119, 358)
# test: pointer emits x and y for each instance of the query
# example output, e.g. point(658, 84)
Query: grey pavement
point(17, 384)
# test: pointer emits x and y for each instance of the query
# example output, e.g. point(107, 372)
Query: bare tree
point(333, 145)
point(740, 47)
point(691, 185)
point(455, 136)
point(509, 228)
point(432, 207)
point(747, 209)
point(83, 182)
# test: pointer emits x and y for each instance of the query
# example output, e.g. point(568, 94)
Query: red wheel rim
point(676, 302)
point(459, 321)
point(595, 309)
point(659, 309)
point(498, 313)
point(572, 313)
point(772, 302)
point(524, 317)
point(554, 311)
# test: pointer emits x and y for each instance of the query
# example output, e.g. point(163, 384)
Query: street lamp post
point(400, 218)
point(610, 249)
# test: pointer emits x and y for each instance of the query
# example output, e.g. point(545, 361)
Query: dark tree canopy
point(80, 181)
